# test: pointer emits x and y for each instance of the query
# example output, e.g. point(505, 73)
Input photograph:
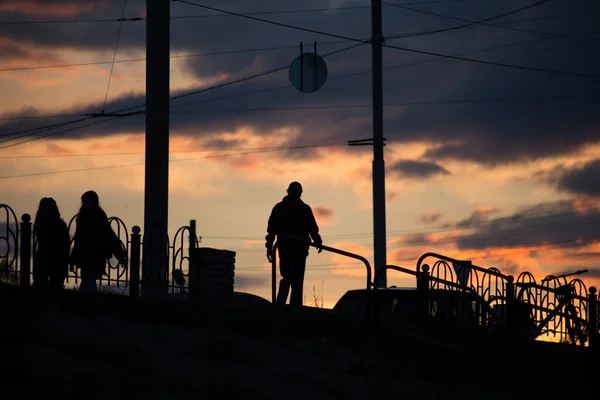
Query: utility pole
point(379, 230)
point(155, 247)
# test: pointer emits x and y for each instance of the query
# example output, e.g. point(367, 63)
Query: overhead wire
point(471, 23)
point(248, 152)
point(354, 74)
point(574, 243)
point(112, 66)
point(246, 16)
point(207, 54)
point(493, 63)
point(194, 92)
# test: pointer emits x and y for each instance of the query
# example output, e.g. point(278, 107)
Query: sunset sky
point(492, 154)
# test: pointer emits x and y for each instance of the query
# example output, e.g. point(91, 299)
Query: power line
point(62, 21)
point(216, 53)
point(112, 65)
point(35, 130)
point(57, 133)
point(354, 74)
point(274, 22)
point(498, 64)
point(249, 152)
point(532, 217)
point(470, 23)
point(488, 256)
point(438, 57)
point(171, 98)
point(247, 78)
point(392, 104)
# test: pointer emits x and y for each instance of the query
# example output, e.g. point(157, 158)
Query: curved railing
point(119, 277)
point(9, 245)
point(323, 247)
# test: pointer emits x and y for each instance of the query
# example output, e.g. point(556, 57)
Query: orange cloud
point(53, 8)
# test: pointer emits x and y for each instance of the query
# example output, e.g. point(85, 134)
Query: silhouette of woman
point(51, 256)
point(95, 242)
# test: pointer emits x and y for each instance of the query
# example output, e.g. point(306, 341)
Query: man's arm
point(314, 230)
point(271, 233)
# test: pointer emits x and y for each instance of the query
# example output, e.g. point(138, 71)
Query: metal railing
point(18, 244)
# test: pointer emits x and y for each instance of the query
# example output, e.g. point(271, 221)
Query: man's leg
point(285, 282)
point(298, 268)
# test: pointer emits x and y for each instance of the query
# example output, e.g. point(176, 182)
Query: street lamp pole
point(379, 228)
point(155, 246)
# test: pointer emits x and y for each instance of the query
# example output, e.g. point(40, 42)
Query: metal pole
point(379, 230)
point(156, 192)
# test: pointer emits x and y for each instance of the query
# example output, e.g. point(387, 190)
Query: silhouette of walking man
point(95, 242)
point(291, 218)
point(51, 256)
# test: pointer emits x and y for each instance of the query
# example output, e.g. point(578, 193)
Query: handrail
point(453, 260)
point(323, 247)
point(556, 291)
point(422, 274)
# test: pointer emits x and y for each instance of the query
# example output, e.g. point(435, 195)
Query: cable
point(228, 83)
point(470, 23)
point(450, 240)
point(183, 95)
point(112, 66)
point(59, 132)
point(354, 74)
point(273, 22)
point(491, 255)
point(35, 130)
point(203, 16)
point(403, 104)
point(216, 53)
point(498, 64)
point(62, 21)
point(255, 151)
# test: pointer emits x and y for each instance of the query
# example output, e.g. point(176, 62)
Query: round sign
point(308, 72)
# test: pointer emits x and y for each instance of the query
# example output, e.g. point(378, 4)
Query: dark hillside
point(76, 346)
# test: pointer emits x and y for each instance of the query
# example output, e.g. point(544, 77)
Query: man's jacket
point(292, 217)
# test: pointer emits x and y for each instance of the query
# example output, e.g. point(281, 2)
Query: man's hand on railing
point(318, 246)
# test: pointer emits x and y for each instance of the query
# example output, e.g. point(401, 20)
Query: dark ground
point(77, 346)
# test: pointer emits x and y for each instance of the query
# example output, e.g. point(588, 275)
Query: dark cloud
point(593, 273)
point(593, 255)
point(323, 213)
point(559, 223)
point(416, 239)
point(584, 179)
point(417, 169)
point(476, 218)
point(430, 217)
point(489, 133)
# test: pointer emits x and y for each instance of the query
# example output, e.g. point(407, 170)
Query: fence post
point(192, 236)
point(134, 262)
point(510, 311)
point(593, 317)
point(25, 276)
point(423, 289)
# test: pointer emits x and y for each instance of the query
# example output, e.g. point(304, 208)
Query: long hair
point(47, 209)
